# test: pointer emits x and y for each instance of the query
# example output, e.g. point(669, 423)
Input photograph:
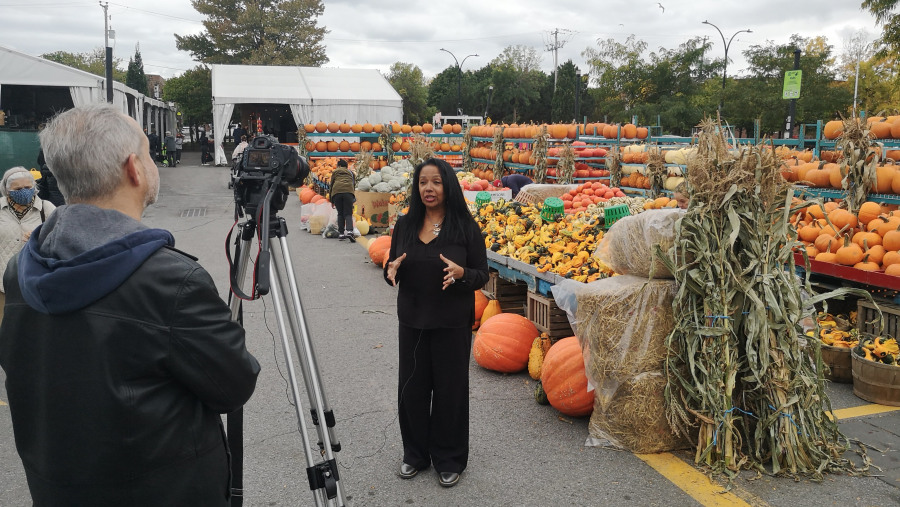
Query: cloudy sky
point(377, 34)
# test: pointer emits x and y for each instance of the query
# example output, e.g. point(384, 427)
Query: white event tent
point(312, 93)
point(20, 69)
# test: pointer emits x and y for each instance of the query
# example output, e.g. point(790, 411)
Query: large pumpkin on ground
point(503, 343)
point(564, 380)
point(379, 249)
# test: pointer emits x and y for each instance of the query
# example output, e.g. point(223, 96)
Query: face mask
point(22, 196)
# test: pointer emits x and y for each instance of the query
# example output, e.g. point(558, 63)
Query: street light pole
point(725, 67)
point(458, 79)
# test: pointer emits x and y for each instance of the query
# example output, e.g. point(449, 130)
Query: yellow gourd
point(492, 308)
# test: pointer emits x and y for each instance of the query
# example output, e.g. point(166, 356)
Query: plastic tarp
point(312, 93)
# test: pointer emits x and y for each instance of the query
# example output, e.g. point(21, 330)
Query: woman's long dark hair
point(457, 218)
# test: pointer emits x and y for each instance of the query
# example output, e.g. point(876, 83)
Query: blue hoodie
point(81, 254)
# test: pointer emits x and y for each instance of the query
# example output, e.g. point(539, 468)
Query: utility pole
point(554, 47)
point(109, 56)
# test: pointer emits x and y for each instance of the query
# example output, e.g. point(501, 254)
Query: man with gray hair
point(119, 353)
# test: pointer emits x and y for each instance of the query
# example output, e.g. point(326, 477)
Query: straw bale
point(635, 417)
point(629, 245)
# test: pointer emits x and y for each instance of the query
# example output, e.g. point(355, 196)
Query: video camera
point(263, 164)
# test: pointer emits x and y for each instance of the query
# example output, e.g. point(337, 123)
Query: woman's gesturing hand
point(392, 268)
point(453, 272)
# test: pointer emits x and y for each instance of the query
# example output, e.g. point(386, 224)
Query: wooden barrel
point(839, 364)
point(876, 382)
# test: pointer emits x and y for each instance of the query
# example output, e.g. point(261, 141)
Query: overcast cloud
point(377, 34)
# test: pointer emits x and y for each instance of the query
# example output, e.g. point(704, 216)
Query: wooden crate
point(867, 313)
point(547, 317)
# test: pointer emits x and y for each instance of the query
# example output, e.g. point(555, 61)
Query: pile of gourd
point(563, 246)
point(393, 178)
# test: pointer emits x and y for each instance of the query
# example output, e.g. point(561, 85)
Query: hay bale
point(635, 418)
point(629, 246)
point(623, 322)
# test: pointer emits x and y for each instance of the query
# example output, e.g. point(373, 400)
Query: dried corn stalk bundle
point(301, 142)
point(467, 144)
point(739, 376)
point(635, 418)
point(363, 164)
point(859, 163)
point(386, 139)
point(420, 149)
point(614, 165)
point(540, 155)
point(498, 150)
point(565, 166)
point(656, 170)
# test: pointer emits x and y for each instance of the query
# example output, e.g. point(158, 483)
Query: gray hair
point(86, 147)
point(12, 174)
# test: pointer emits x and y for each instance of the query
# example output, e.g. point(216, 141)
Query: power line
point(156, 13)
point(424, 41)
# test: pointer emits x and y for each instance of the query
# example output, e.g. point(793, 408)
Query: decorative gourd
point(492, 308)
point(539, 395)
point(503, 342)
point(539, 349)
point(362, 226)
point(379, 249)
point(564, 380)
point(481, 302)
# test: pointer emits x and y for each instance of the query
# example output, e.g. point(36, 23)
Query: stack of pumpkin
point(508, 343)
point(309, 196)
point(879, 128)
point(869, 240)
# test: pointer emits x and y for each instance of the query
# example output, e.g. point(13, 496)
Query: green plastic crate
point(613, 213)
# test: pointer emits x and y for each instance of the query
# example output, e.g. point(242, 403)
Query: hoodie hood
point(81, 254)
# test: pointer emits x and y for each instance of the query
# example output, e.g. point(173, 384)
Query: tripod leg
point(313, 471)
point(312, 377)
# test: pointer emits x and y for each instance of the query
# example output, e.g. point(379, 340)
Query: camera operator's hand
point(392, 268)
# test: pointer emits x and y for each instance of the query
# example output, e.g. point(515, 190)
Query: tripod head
point(261, 180)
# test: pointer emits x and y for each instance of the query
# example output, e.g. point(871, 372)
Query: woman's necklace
point(437, 227)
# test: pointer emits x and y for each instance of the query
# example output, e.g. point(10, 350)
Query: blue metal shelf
point(831, 193)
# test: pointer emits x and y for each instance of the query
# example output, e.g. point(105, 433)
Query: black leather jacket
point(118, 403)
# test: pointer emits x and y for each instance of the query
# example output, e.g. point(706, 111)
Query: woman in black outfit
point(438, 260)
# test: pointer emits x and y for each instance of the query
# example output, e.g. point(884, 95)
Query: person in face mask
point(21, 210)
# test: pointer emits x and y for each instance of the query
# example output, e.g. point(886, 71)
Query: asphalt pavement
point(522, 454)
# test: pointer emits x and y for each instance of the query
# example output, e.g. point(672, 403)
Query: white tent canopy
point(17, 68)
point(312, 93)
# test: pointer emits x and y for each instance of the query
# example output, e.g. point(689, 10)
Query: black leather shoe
point(408, 471)
point(449, 479)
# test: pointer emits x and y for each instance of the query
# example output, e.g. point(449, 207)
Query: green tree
point(517, 80)
point(442, 91)
point(192, 91)
point(884, 12)
point(408, 81)
point(93, 62)
point(759, 95)
point(135, 77)
point(258, 32)
point(621, 77)
point(562, 103)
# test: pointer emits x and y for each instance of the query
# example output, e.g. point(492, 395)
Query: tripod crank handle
point(262, 275)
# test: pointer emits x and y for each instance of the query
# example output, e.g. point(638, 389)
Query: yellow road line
point(690, 480)
point(864, 410)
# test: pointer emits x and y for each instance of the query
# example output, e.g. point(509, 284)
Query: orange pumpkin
point(875, 253)
point(826, 257)
point(629, 131)
point(503, 343)
point(869, 211)
point(833, 129)
point(481, 302)
point(884, 178)
point(564, 380)
point(849, 254)
point(891, 239)
point(379, 249)
point(893, 270)
point(321, 127)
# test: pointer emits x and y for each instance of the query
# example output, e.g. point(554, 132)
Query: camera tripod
point(324, 480)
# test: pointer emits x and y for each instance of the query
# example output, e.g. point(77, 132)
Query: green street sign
point(792, 84)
